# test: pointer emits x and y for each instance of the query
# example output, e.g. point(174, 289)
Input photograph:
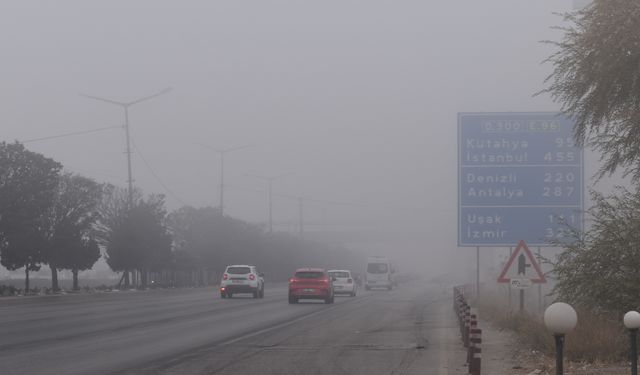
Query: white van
point(381, 273)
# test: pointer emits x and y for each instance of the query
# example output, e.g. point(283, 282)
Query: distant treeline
point(65, 221)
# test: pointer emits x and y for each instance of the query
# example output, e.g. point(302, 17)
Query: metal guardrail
point(469, 331)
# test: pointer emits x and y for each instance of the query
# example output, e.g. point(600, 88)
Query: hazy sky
point(358, 99)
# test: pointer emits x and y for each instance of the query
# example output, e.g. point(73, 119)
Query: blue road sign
point(520, 176)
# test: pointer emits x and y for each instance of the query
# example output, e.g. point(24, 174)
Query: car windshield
point(238, 270)
point(377, 268)
point(309, 274)
point(339, 274)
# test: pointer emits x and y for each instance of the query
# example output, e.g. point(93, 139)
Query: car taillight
point(225, 277)
point(252, 277)
point(349, 281)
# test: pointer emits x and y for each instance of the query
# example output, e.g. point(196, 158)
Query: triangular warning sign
point(522, 265)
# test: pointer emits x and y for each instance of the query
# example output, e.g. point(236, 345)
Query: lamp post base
point(633, 353)
point(559, 338)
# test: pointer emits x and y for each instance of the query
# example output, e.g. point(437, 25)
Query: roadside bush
point(32, 291)
point(596, 338)
point(9, 290)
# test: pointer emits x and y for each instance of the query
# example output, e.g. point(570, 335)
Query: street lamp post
point(632, 322)
point(301, 216)
point(222, 152)
point(560, 318)
point(270, 180)
point(125, 106)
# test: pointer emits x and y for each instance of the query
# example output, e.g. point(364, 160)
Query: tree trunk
point(75, 279)
point(143, 278)
point(26, 279)
point(54, 278)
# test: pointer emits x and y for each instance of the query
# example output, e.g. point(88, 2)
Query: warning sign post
point(521, 271)
point(522, 265)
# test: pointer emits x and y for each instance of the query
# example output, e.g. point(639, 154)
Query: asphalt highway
point(409, 330)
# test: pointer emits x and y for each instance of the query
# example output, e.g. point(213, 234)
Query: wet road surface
point(409, 330)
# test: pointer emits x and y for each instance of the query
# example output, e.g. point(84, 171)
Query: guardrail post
point(471, 334)
point(477, 360)
point(463, 308)
point(475, 352)
point(473, 325)
point(467, 321)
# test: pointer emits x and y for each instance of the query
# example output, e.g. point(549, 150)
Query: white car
point(343, 282)
point(242, 279)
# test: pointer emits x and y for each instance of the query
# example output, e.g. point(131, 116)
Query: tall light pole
point(270, 180)
point(301, 216)
point(125, 106)
point(222, 152)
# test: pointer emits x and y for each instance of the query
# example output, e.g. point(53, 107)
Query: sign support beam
point(510, 253)
point(539, 256)
point(477, 271)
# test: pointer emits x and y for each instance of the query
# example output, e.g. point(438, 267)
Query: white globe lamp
point(560, 318)
point(631, 320)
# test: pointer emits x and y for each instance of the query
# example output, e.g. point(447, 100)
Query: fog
point(356, 101)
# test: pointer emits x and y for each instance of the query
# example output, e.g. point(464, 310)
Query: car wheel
point(329, 300)
point(262, 292)
point(256, 293)
point(222, 295)
point(293, 299)
point(229, 295)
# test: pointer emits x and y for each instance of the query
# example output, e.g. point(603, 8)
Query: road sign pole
point(538, 255)
point(478, 272)
point(510, 253)
point(515, 272)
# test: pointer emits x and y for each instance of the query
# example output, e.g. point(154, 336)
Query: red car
point(310, 283)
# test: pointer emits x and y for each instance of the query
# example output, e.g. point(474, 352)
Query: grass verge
point(596, 338)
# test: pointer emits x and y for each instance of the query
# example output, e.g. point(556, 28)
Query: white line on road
point(278, 326)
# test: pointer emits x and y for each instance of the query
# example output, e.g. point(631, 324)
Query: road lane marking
point(283, 324)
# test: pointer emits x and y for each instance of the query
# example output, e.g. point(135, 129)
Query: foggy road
point(405, 331)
